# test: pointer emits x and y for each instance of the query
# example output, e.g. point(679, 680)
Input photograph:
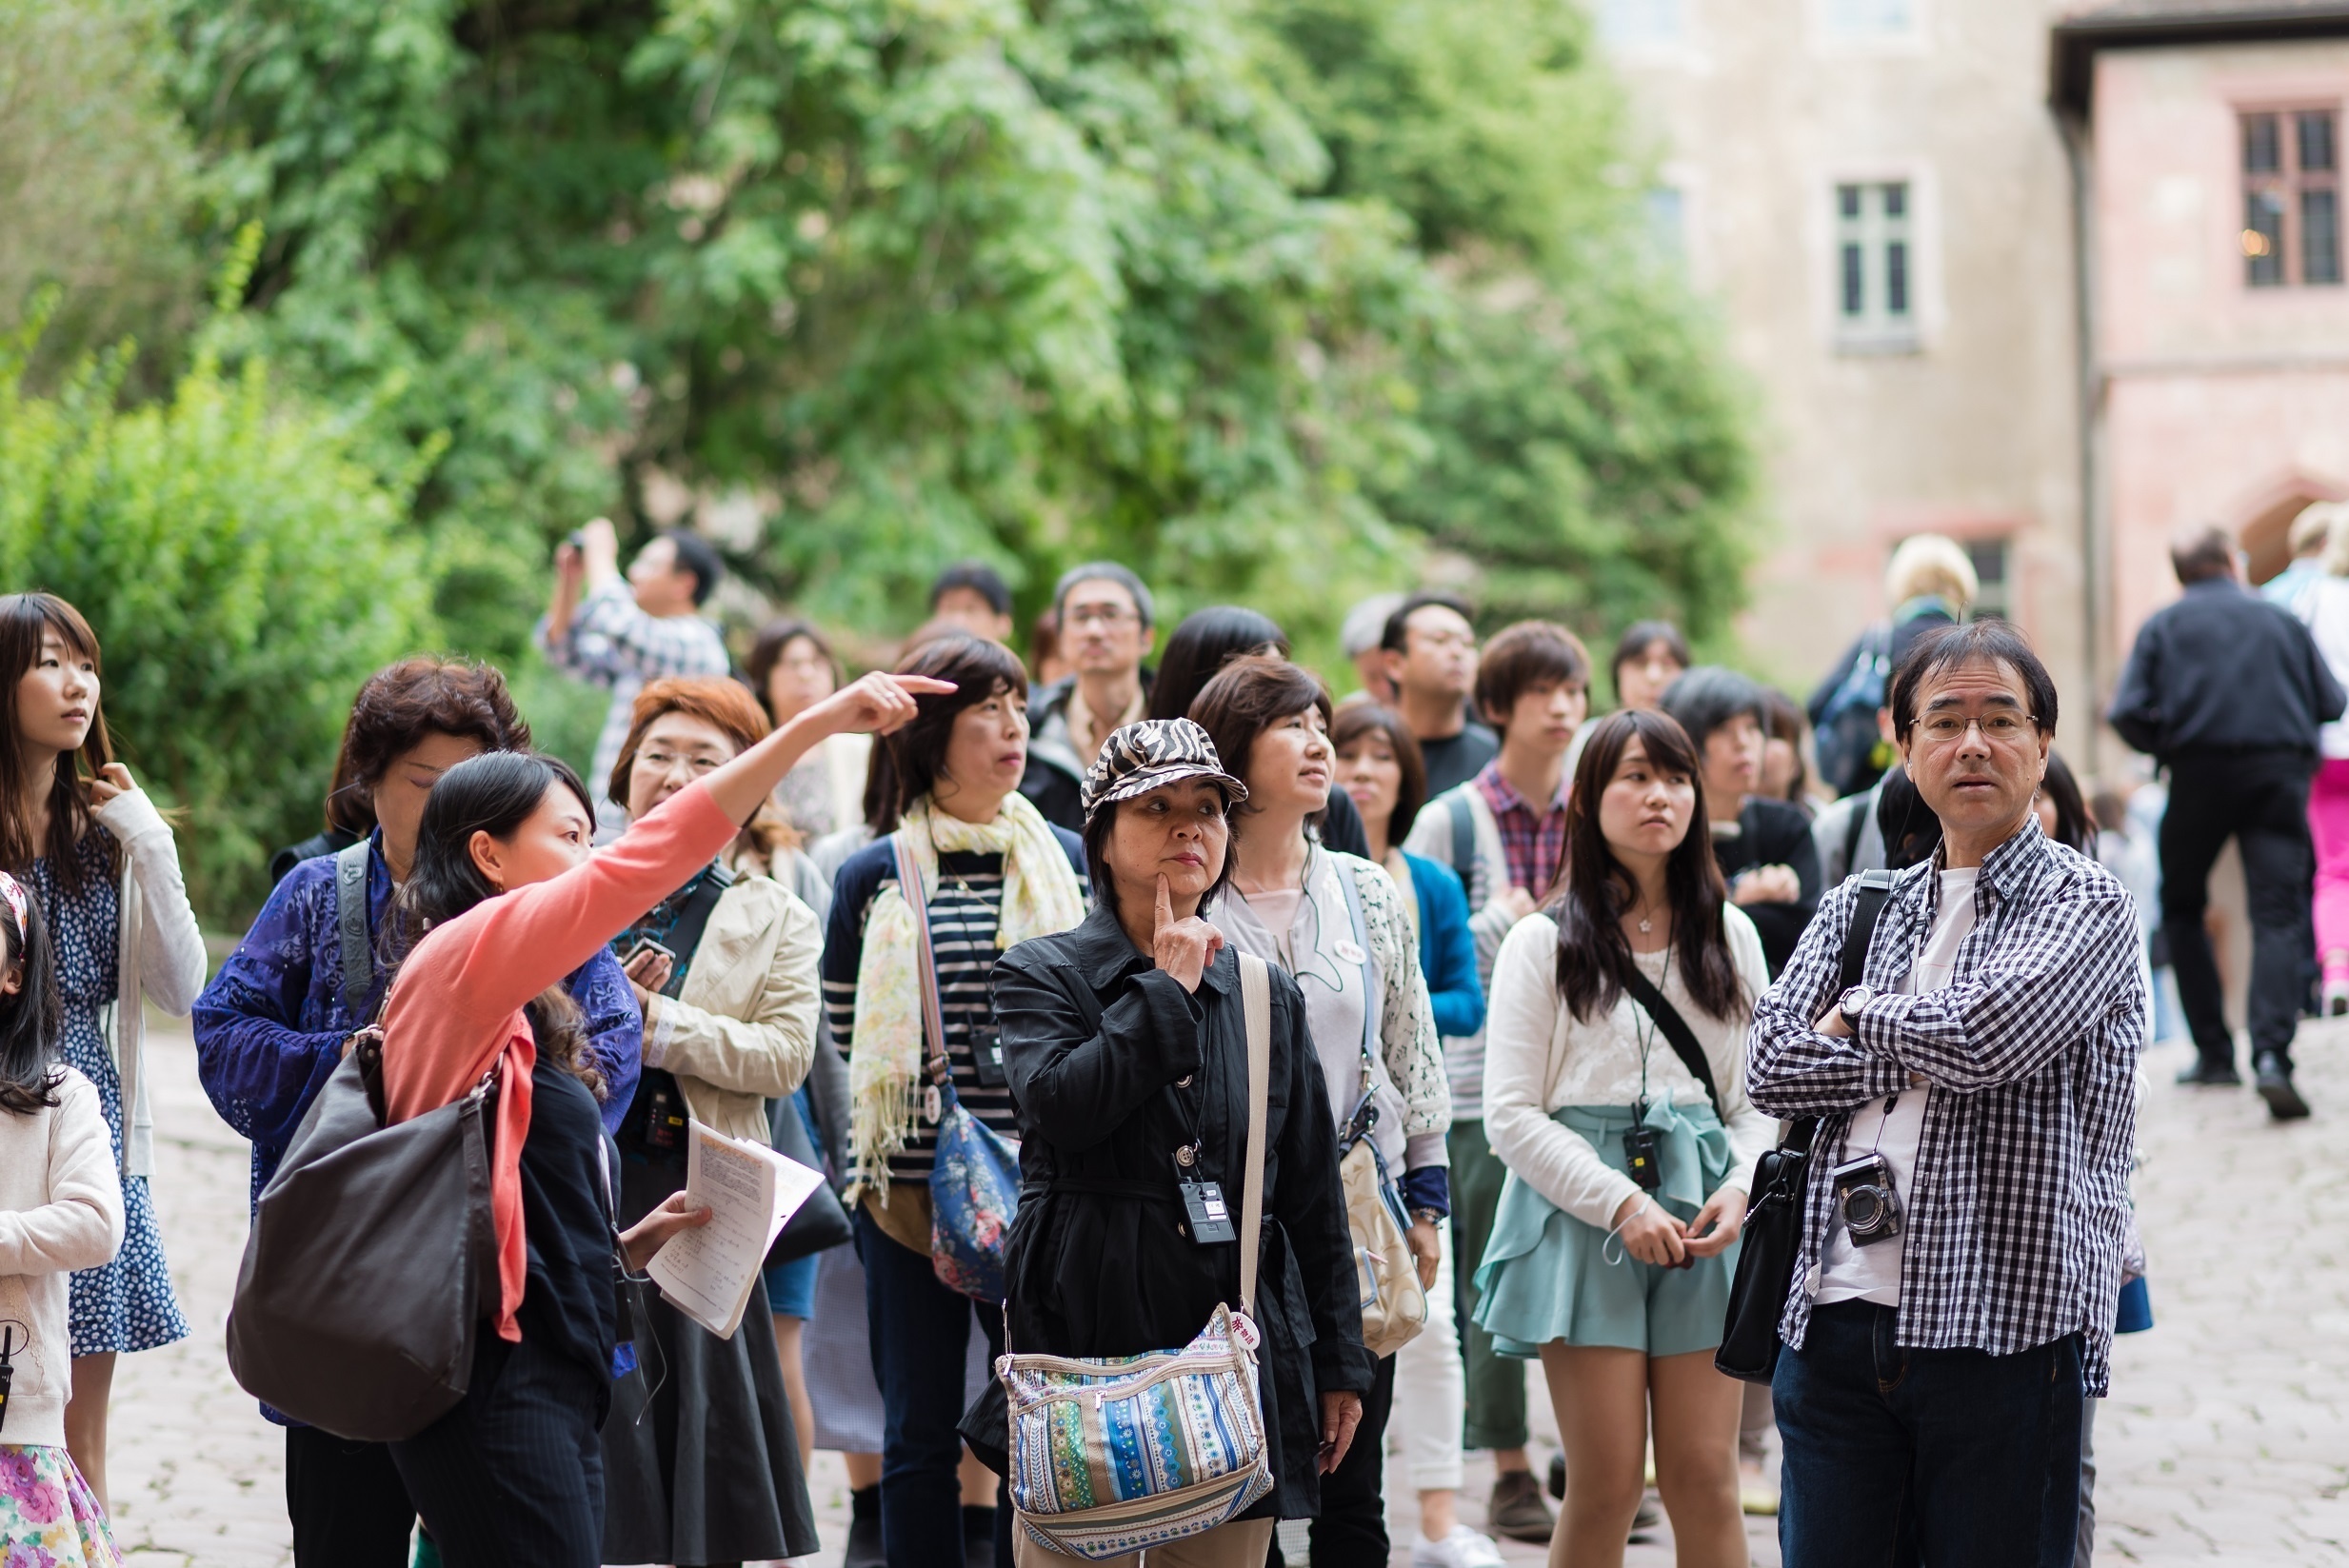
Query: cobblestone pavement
point(2226, 1440)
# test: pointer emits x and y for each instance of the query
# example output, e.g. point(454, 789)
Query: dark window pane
point(1847, 200)
point(1896, 279)
point(2263, 238)
point(1852, 296)
point(2316, 141)
point(1896, 201)
point(1989, 558)
point(2260, 152)
point(2320, 237)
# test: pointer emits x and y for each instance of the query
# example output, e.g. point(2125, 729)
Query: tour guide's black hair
point(494, 793)
point(1204, 643)
point(1987, 640)
point(1709, 696)
point(700, 557)
point(1595, 965)
point(30, 1019)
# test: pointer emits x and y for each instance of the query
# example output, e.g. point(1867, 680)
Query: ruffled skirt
point(47, 1514)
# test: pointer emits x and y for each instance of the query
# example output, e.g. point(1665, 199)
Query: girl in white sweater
point(1629, 1154)
point(61, 1209)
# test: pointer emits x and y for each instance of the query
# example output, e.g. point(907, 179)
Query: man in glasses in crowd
point(1107, 623)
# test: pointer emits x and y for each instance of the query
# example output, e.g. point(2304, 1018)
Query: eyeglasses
point(1103, 615)
point(661, 761)
point(1949, 728)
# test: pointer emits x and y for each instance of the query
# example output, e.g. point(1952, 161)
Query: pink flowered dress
point(48, 1517)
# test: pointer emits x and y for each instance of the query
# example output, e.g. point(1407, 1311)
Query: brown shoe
point(1517, 1510)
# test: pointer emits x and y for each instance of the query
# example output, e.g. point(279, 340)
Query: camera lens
point(1862, 1208)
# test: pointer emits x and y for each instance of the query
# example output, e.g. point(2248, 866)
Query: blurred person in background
point(1205, 642)
point(972, 596)
point(1045, 666)
point(1359, 636)
point(620, 632)
point(1649, 656)
point(2062, 811)
point(1763, 845)
point(1929, 581)
point(1106, 624)
point(1380, 768)
point(1785, 774)
point(2322, 605)
point(2310, 539)
point(791, 668)
point(1429, 650)
point(1503, 833)
point(2228, 693)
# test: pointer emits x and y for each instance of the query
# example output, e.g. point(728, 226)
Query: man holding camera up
point(1953, 1297)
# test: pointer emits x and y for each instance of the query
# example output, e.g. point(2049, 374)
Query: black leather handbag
point(370, 1256)
point(822, 1221)
point(1773, 1238)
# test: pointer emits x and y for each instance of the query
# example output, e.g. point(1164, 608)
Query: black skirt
point(701, 1464)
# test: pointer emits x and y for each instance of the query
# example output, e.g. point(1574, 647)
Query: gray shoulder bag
point(371, 1255)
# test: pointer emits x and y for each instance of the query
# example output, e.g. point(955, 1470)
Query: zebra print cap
point(1141, 757)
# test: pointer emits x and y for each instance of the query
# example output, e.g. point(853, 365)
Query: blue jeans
point(1896, 1456)
point(920, 1329)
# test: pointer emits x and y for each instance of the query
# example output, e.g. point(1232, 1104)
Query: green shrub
point(244, 572)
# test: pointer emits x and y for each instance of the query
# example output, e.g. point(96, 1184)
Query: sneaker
point(2275, 1078)
point(1647, 1519)
point(2336, 995)
point(1463, 1548)
point(1517, 1510)
point(1558, 1476)
point(2211, 1075)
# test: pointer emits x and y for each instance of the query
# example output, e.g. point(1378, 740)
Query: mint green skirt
point(1547, 1277)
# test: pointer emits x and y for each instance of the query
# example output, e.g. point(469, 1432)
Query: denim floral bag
point(975, 1174)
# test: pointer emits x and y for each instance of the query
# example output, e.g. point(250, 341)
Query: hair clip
point(13, 892)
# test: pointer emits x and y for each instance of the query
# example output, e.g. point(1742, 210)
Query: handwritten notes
point(751, 1191)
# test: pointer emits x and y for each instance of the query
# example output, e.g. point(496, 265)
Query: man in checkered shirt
point(1931, 1392)
point(628, 631)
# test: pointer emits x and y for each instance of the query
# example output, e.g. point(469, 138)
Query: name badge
point(1346, 950)
point(1210, 1217)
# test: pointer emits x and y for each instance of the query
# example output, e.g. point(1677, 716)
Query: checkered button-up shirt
point(613, 643)
point(2016, 1212)
point(1532, 841)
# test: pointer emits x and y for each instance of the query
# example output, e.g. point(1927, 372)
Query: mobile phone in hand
point(646, 946)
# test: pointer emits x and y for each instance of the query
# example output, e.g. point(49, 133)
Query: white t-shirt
point(1893, 1127)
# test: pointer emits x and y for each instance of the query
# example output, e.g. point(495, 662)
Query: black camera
point(1865, 1197)
point(1643, 1158)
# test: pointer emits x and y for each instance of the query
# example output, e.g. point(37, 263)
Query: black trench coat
point(1094, 1039)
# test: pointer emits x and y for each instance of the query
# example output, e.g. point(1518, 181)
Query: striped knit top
point(965, 910)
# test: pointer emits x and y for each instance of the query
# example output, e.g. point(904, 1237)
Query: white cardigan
point(60, 1210)
point(159, 952)
point(1538, 1057)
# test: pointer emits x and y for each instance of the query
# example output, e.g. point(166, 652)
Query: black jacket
point(2223, 670)
point(1094, 1039)
point(1774, 833)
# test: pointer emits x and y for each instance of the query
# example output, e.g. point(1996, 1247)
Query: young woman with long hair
point(270, 1027)
point(994, 873)
point(63, 1201)
point(1335, 921)
point(1619, 1285)
point(505, 898)
point(790, 669)
point(100, 860)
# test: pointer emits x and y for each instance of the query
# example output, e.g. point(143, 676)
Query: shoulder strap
point(351, 923)
point(1675, 1029)
point(1256, 1004)
point(1370, 974)
point(1863, 807)
point(1867, 906)
point(685, 937)
point(1464, 837)
point(933, 1020)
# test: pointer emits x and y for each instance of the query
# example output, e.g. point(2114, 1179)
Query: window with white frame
point(2290, 198)
point(1874, 262)
point(1636, 23)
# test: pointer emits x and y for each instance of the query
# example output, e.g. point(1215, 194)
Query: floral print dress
point(127, 1305)
point(48, 1518)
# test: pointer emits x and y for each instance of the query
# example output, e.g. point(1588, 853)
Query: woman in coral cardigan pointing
point(509, 899)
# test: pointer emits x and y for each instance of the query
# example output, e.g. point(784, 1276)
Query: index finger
point(1166, 903)
point(926, 685)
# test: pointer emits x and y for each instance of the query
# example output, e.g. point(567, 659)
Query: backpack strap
point(1867, 908)
point(685, 937)
point(1256, 1006)
point(1463, 837)
point(358, 953)
point(1676, 1029)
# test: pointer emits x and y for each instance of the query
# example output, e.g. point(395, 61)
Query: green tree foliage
point(244, 569)
point(1222, 287)
point(1587, 445)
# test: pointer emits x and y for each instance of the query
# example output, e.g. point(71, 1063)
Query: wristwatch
point(1854, 1001)
point(1433, 1216)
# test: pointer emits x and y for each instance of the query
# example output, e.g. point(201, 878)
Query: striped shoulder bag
point(1111, 1455)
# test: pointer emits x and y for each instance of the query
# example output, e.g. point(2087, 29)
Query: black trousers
point(348, 1506)
point(2259, 798)
point(513, 1477)
point(1352, 1529)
